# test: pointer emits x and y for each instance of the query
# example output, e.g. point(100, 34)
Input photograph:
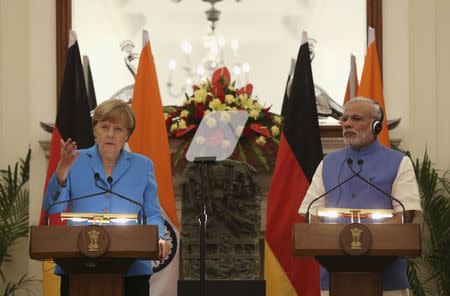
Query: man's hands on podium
point(411, 217)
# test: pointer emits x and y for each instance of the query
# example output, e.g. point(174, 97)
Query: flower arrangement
point(260, 136)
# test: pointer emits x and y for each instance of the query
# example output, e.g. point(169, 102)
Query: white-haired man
point(387, 169)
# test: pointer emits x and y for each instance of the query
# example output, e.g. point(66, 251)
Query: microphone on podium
point(56, 195)
point(109, 191)
point(360, 163)
point(349, 161)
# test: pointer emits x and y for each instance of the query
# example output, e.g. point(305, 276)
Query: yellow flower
point(214, 103)
point(261, 141)
point(253, 114)
point(257, 106)
point(229, 99)
point(184, 113)
point(200, 95)
point(275, 130)
point(277, 119)
point(182, 124)
point(217, 105)
point(173, 127)
point(245, 101)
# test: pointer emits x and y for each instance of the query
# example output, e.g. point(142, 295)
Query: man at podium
point(108, 165)
point(365, 175)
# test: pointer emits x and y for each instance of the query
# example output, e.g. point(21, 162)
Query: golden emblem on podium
point(355, 239)
point(93, 241)
point(93, 236)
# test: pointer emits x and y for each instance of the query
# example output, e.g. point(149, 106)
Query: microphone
point(349, 162)
point(360, 163)
point(56, 195)
point(110, 180)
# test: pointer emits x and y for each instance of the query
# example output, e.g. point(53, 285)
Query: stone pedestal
point(233, 225)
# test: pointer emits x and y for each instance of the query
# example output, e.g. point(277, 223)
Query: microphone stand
point(144, 216)
point(203, 217)
point(67, 201)
point(307, 220)
point(360, 162)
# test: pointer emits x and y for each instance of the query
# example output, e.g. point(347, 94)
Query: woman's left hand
point(163, 249)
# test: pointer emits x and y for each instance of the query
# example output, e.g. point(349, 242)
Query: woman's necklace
point(109, 164)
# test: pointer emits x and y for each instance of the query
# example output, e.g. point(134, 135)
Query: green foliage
point(430, 274)
point(14, 201)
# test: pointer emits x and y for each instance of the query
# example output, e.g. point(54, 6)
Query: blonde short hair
point(115, 110)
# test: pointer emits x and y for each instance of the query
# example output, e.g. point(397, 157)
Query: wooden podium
point(96, 258)
point(356, 254)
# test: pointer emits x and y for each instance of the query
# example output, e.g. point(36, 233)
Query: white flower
point(225, 144)
point(238, 130)
point(200, 140)
point(225, 116)
point(211, 122)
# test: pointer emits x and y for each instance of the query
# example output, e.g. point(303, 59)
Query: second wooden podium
point(96, 258)
point(356, 254)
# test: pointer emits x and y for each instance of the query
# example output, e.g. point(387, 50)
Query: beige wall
point(27, 95)
point(14, 94)
point(416, 72)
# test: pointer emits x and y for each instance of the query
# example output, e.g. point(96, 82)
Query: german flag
point(73, 120)
point(299, 154)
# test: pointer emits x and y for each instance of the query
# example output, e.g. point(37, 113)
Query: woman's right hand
point(69, 154)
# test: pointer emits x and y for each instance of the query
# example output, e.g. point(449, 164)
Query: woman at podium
point(107, 165)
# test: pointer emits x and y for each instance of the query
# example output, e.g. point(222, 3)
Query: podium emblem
point(93, 241)
point(93, 235)
point(355, 239)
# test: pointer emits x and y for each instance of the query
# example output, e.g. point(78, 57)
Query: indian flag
point(150, 139)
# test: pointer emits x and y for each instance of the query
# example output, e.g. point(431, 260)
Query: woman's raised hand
point(69, 154)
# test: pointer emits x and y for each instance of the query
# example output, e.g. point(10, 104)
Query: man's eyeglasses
point(354, 118)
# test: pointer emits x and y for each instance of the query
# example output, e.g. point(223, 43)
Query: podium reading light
point(99, 218)
point(358, 214)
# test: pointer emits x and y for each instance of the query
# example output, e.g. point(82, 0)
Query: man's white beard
point(359, 141)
